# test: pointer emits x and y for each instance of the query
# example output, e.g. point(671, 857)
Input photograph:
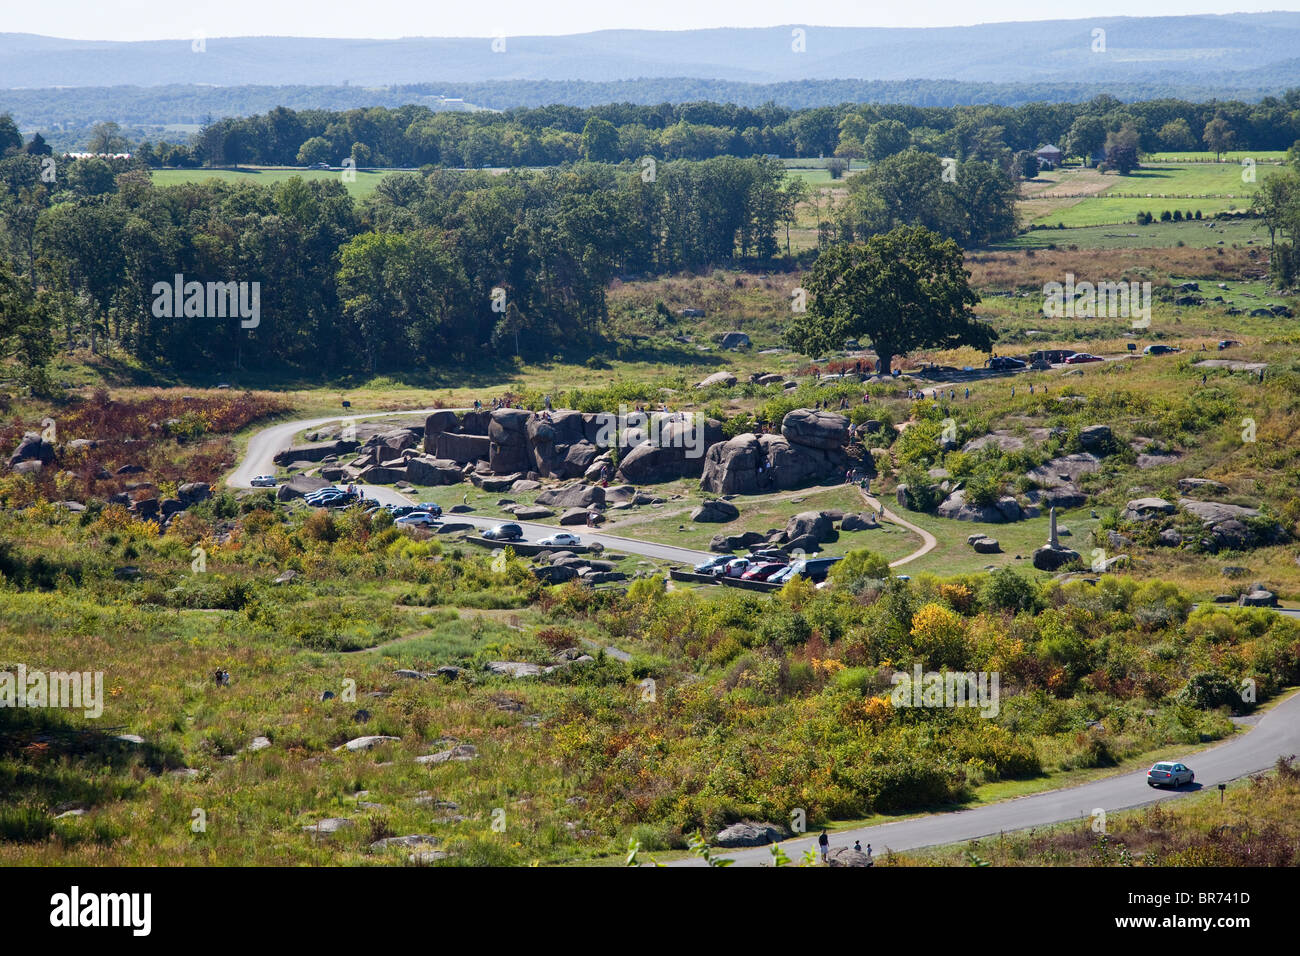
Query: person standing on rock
point(824, 844)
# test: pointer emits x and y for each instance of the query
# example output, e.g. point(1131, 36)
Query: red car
point(761, 571)
point(1081, 357)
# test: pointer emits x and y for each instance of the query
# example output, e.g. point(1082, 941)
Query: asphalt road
point(1277, 733)
point(259, 459)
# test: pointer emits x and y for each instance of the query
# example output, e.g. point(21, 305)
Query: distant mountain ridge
point(1241, 50)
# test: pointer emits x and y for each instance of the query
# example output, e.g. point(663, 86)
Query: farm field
point(363, 185)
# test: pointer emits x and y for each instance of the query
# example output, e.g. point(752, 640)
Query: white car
point(419, 519)
point(563, 539)
point(263, 481)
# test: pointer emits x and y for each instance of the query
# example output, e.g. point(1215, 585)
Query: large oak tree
point(905, 289)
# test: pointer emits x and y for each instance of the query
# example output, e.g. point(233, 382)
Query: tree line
point(435, 267)
point(411, 136)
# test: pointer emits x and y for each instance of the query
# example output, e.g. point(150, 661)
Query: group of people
point(824, 846)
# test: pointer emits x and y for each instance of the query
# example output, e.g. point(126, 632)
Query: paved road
point(259, 459)
point(259, 456)
point(1276, 734)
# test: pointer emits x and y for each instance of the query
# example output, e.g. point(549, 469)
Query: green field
point(1153, 236)
point(362, 186)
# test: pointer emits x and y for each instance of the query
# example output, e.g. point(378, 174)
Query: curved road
point(263, 446)
point(1276, 733)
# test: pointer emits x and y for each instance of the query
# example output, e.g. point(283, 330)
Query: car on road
point(417, 519)
point(761, 571)
point(1161, 350)
point(263, 481)
point(562, 539)
point(1080, 358)
point(1005, 363)
point(1167, 773)
point(432, 507)
point(504, 532)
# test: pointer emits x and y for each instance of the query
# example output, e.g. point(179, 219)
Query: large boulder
point(432, 471)
point(1096, 439)
point(1147, 509)
point(576, 495)
point(749, 464)
point(678, 452)
point(814, 523)
point(748, 833)
point(859, 522)
point(718, 378)
point(317, 452)
point(436, 423)
point(192, 492)
point(462, 448)
point(578, 457)
point(1065, 471)
point(715, 510)
point(1233, 526)
point(957, 508)
point(1189, 485)
point(383, 475)
point(32, 448)
point(815, 429)
point(1048, 558)
point(735, 340)
point(508, 431)
point(847, 856)
point(983, 545)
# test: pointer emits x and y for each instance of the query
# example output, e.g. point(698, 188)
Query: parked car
point(781, 575)
point(710, 566)
point(320, 492)
point(1169, 774)
point(814, 569)
point(1005, 363)
point(561, 540)
point(761, 571)
point(736, 567)
point(417, 519)
point(1080, 358)
point(769, 554)
point(432, 507)
point(268, 481)
point(401, 511)
point(504, 532)
point(1161, 350)
point(1228, 344)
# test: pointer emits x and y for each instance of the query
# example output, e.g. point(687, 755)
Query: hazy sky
point(165, 19)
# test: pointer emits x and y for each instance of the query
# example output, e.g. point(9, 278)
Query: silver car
point(1169, 774)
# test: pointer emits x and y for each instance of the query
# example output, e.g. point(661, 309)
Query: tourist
point(824, 843)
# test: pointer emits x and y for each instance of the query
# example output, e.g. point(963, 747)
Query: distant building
point(1049, 156)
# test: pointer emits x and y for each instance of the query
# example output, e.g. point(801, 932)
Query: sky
point(167, 19)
